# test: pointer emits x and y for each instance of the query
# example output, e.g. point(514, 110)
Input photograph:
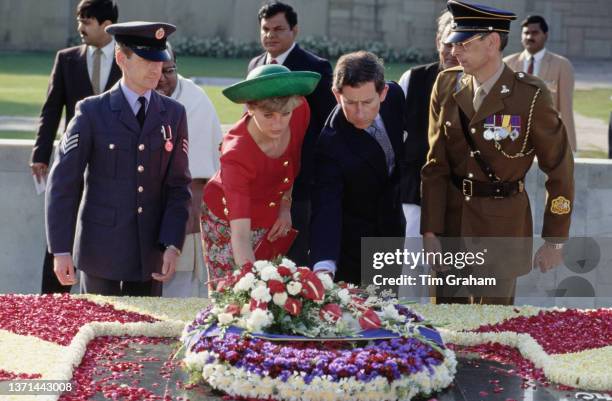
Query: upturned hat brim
point(280, 84)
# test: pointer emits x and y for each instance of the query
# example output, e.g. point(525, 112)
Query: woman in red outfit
point(250, 196)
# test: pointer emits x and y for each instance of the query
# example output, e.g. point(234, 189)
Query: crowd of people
point(146, 197)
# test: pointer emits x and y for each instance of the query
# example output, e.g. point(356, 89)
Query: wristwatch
point(554, 245)
point(175, 249)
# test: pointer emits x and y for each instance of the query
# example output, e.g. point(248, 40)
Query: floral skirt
point(218, 254)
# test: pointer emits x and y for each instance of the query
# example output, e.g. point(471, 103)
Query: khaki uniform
point(446, 211)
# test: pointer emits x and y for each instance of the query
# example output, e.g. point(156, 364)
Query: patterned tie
point(530, 67)
point(140, 116)
point(383, 140)
point(478, 97)
point(273, 62)
point(95, 73)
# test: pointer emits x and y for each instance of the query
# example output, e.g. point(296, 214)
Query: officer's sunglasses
point(463, 45)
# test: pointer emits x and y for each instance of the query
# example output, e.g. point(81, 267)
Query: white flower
point(261, 294)
point(389, 312)
point(294, 288)
point(246, 310)
point(344, 296)
point(327, 281)
point(280, 298)
point(258, 320)
point(270, 273)
point(245, 283)
point(288, 263)
point(225, 318)
point(260, 264)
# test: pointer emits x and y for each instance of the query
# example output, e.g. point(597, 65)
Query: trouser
point(50, 284)
point(101, 286)
point(300, 219)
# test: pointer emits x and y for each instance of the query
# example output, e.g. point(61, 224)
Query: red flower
point(293, 306)
point(258, 305)
point(284, 271)
point(369, 320)
point(331, 312)
point(232, 309)
point(222, 285)
point(276, 286)
point(247, 268)
point(312, 287)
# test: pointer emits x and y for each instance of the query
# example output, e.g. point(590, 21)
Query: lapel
point(113, 76)
point(494, 101)
point(80, 71)
point(261, 60)
point(119, 105)
point(390, 119)
point(153, 119)
point(361, 144)
point(545, 66)
point(293, 60)
point(463, 97)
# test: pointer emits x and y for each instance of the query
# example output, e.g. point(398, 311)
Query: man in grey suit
point(133, 145)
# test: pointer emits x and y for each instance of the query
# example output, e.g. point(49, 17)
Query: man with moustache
point(486, 125)
point(279, 29)
point(417, 84)
point(555, 70)
point(128, 230)
point(78, 72)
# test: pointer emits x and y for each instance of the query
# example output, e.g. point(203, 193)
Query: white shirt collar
point(536, 57)
point(280, 59)
point(107, 51)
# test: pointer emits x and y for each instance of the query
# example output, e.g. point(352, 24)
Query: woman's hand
point(281, 226)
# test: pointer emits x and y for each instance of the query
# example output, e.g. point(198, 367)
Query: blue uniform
point(134, 184)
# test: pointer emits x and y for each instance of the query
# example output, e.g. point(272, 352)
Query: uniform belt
point(497, 189)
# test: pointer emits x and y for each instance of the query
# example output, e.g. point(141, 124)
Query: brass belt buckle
point(521, 186)
point(467, 187)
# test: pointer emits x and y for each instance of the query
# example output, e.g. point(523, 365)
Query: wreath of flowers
point(282, 331)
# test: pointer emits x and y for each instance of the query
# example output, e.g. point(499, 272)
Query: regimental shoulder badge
point(560, 205)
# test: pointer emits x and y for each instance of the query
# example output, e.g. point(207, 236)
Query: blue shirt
point(132, 97)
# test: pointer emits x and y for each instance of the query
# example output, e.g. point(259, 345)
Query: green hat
point(272, 80)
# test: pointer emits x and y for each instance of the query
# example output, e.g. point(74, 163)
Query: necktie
point(140, 116)
point(478, 98)
point(530, 67)
point(273, 61)
point(384, 142)
point(95, 73)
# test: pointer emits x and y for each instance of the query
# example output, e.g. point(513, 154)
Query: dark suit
point(321, 102)
point(69, 82)
point(422, 79)
point(353, 194)
point(136, 193)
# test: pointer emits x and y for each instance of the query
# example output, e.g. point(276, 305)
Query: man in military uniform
point(128, 149)
point(486, 125)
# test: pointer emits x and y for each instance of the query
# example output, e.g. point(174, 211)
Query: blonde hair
point(280, 104)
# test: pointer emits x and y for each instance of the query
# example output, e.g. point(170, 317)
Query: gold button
point(448, 123)
point(286, 180)
point(470, 175)
point(473, 130)
point(272, 204)
point(286, 163)
point(140, 189)
point(141, 147)
point(140, 169)
point(223, 201)
point(467, 198)
point(225, 211)
point(111, 146)
point(139, 209)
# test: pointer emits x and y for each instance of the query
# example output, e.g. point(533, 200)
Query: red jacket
point(250, 184)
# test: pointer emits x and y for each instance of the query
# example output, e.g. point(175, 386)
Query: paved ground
point(592, 133)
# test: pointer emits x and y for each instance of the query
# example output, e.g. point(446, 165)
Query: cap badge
point(159, 34)
point(505, 89)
